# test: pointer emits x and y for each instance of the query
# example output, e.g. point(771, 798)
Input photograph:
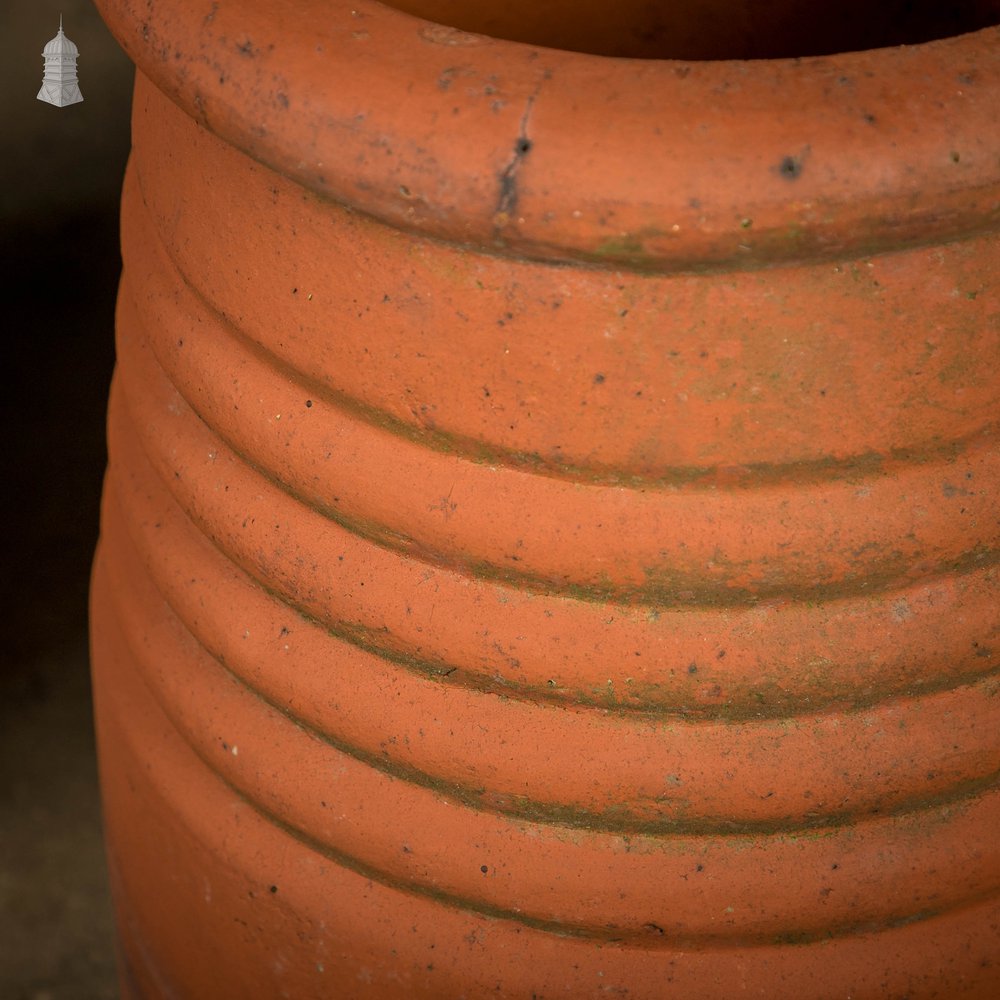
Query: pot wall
point(505, 615)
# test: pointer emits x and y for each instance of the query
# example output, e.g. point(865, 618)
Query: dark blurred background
point(60, 175)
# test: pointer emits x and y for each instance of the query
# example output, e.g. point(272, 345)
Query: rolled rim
point(658, 165)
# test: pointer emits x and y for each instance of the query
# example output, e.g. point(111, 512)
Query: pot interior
point(710, 29)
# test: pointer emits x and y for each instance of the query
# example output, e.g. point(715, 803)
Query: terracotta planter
point(550, 538)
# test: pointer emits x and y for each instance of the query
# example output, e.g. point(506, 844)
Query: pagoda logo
point(59, 85)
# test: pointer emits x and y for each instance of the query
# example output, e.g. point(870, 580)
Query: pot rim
point(657, 165)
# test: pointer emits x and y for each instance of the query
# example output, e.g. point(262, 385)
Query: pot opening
point(710, 29)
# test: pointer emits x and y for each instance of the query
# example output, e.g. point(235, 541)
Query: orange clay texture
point(550, 540)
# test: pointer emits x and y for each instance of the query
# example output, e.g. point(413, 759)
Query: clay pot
point(550, 537)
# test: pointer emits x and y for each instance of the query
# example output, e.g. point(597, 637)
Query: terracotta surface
point(550, 540)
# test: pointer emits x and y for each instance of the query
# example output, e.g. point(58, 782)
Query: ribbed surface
point(604, 629)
